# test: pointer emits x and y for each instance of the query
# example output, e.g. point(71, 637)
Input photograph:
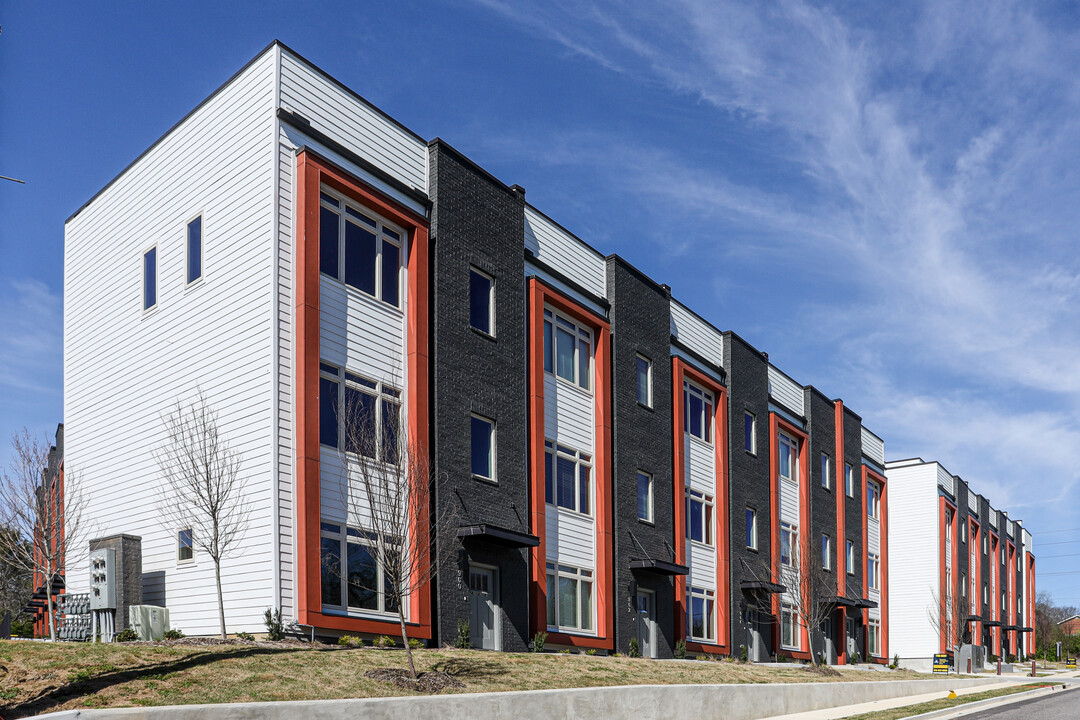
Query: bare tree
point(203, 493)
point(45, 531)
point(948, 615)
point(387, 486)
point(811, 589)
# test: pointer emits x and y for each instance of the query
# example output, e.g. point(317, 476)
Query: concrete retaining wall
point(641, 702)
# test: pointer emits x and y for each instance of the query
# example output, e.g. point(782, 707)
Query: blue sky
point(883, 197)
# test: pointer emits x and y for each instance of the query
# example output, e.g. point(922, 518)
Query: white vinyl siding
point(121, 373)
point(696, 334)
point(360, 333)
point(571, 537)
point(285, 257)
point(559, 249)
point(873, 447)
point(786, 391)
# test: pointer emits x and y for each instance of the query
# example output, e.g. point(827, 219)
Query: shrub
point(174, 634)
point(590, 651)
point(680, 650)
point(635, 648)
point(895, 661)
point(464, 637)
point(539, 640)
point(275, 626)
point(856, 658)
point(244, 636)
point(564, 651)
point(742, 653)
point(415, 644)
point(126, 635)
point(349, 640)
point(384, 641)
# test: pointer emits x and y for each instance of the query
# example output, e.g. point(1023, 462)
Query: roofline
point(438, 142)
point(618, 259)
point(559, 225)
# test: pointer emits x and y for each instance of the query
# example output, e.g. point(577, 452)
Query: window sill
point(643, 521)
point(148, 312)
point(361, 614)
point(752, 453)
point(752, 549)
point(481, 333)
point(368, 297)
point(572, 385)
point(481, 478)
point(575, 632)
point(568, 511)
point(194, 284)
point(645, 406)
point(701, 544)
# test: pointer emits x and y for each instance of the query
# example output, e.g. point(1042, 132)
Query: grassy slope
point(44, 677)
point(911, 710)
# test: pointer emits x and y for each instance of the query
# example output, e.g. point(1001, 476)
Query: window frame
point(873, 501)
point(788, 620)
point(792, 532)
point(708, 402)
point(582, 576)
point(849, 557)
point(708, 513)
point(750, 437)
point(586, 333)
point(752, 528)
point(648, 401)
point(826, 471)
point(648, 477)
point(826, 552)
point(873, 564)
point(383, 392)
point(490, 332)
point(146, 309)
point(492, 452)
point(381, 226)
point(707, 597)
point(190, 547)
point(849, 480)
point(784, 439)
point(581, 459)
point(188, 282)
point(873, 640)
point(345, 535)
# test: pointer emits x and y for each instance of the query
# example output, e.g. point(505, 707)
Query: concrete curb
point(990, 703)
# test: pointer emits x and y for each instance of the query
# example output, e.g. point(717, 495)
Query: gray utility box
point(149, 621)
point(103, 579)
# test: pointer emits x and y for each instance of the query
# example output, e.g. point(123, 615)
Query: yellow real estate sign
point(941, 662)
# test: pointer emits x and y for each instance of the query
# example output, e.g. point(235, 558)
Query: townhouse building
point(620, 469)
point(962, 572)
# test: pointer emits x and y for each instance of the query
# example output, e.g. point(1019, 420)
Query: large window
point(644, 380)
point(789, 453)
point(569, 598)
point(567, 477)
point(699, 517)
point(644, 496)
point(788, 627)
point(697, 412)
point(360, 414)
point(750, 431)
point(194, 250)
point(352, 577)
point(874, 637)
point(873, 500)
point(873, 569)
point(789, 544)
point(185, 547)
point(482, 301)
point(149, 278)
point(849, 557)
point(826, 552)
point(360, 249)
point(826, 471)
point(567, 349)
point(751, 528)
point(483, 447)
point(701, 615)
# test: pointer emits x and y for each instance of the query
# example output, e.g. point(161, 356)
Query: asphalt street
point(1059, 706)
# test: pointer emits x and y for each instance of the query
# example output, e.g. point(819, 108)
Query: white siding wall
point(352, 122)
point(700, 474)
point(945, 480)
point(122, 369)
point(702, 566)
point(913, 559)
point(696, 334)
point(570, 538)
point(873, 447)
point(564, 252)
point(360, 333)
point(286, 447)
point(786, 391)
point(789, 502)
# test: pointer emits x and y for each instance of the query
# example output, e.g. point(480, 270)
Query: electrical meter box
point(103, 579)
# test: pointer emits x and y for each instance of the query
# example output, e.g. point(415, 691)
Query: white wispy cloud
point(31, 336)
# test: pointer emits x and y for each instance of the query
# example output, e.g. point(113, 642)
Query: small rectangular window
point(567, 350)
point(150, 278)
point(873, 562)
point(483, 447)
point(787, 626)
point(826, 471)
point(789, 453)
point(481, 301)
point(697, 412)
point(826, 552)
point(751, 528)
point(194, 250)
point(699, 511)
point(328, 415)
point(750, 428)
point(644, 381)
point(185, 548)
point(788, 544)
point(644, 496)
point(700, 618)
point(872, 505)
point(850, 557)
point(849, 481)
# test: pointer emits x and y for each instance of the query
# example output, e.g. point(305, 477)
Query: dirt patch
point(823, 670)
point(429, 683)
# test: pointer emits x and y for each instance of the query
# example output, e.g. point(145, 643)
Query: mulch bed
point(429, 683)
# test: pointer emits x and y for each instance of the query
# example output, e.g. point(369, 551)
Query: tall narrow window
point(149, 278)
point(826, 552)
point(644, 381)
point(750, 429)
point(185, 547)
point(328, 404)
point(789, 452)
point(849, 481)
point(850, 557)
point(481, 301)
point(194, 250)
point(568, 477)
point(751, 528)
point(697, 412)
point(873, 561)
point(872, 500)
point(787, 626)
point(329, 238)
point(567, 350)
point(644, 496)
point(826, 471)
point(483, 447)
point(699, 511)
point(570, 597)
point(700, 620)
point(789, 539)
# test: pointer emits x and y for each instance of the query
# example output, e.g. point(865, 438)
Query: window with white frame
point(751, 528)
point(849, 480)
point(788, 627)
point(185, 546)
point(873, 500)
point(873, 568)
point(644, 496)
point(789, 540)
point(643, 369)
point(569, 598)
point(567, 349)
point(750, 431)
point(826, 552)
point(826, 471)
point(697, 411)
point(483, 447)
point(874, 637)
point(788, 456)
point(567, 477)
point(360, 415)
point(194, 250)
point(359, 248)
point(150, 278)
point(948, 526)
point(699, 516)
point(849, 557)
point(963, 532)
point(701, 615)
point(482, 301)
point(353, 579)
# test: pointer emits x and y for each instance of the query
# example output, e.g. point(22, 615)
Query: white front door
point(646, 623)
point(483, 607)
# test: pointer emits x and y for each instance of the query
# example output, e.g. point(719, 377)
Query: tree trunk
point(52, 615)
point(220, 601)
point(405, 637)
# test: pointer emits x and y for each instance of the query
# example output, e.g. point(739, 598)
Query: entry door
point(646, 625)
point(482, 606)
point(755, 641)
point(852, 646)
point(828, 634)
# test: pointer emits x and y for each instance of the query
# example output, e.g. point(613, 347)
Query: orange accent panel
point(312, 173)
point(678, 490)
point(538, 509)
